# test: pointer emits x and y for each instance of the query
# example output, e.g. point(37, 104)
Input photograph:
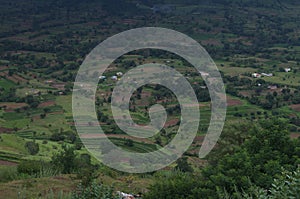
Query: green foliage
point(86, 171)
point(183, 165)
point(29, 167)
point(258, 159)
point(94, 191)
point(64, 136)
point(36, 168)
point(129, 142)
point(32, 147)
point(248, 156)
point(8, 174)
point(65, 161)
point(175, 185)
point(287, 185)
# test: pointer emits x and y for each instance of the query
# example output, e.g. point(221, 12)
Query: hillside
point(255, 45)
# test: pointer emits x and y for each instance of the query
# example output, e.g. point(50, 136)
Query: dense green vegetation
point(241, 161)
point(42, 45)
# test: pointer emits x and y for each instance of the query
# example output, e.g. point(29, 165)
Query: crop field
point(254, 44)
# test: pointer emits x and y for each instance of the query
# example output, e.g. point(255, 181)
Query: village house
point(256, 75)
point(119, 74)
point(115, 78)
point(267, 74)
point(287, 70)
point(102, 77)
point(49, 81)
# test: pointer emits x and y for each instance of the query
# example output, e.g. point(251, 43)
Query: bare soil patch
point(14, 78)
point(296, 107)
point(3, 67)
point(7, 163)
point(233, 102)
point(295, 135)
point(5, 130)
point(46, 104)
point(9, 106)
point(171, 122)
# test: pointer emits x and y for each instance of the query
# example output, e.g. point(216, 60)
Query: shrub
point(65, 161)
point(8, 174)
point(32, 147)
point(36, 168)
point(29, 167)
point(94, 191)
point(57, 137)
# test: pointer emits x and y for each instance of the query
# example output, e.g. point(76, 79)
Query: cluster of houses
point(259, 75)
point(60, 86)
point(114, 77)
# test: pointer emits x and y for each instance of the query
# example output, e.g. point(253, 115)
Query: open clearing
point(12, 105)
point(7, 163)
point(296, 107)
point(45, 104)
point(233, 102)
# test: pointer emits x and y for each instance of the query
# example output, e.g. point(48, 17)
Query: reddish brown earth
point(19, 78)
point(295, 107)
point(171, 122)
point(233, 102)
point(12, 106)
point(15, 78)
point(211, 42)
point(145, 94)
point(245, 93)
point(7, 163)
point(46, 104)
point(199, 138)
point(294, 135)
point(3, 67)
point(5, 130)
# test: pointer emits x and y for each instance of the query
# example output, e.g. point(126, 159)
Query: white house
point(119, 74)
point(102, 77)
point(256, 75)
point(267, 74)
point(123, 195)
point(204, 74)
point(287, 70)
point(114, 78)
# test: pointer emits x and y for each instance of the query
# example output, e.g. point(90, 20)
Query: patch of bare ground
point(7, 163)
point(296, 107)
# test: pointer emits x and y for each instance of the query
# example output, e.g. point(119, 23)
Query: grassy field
point(6, 84)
